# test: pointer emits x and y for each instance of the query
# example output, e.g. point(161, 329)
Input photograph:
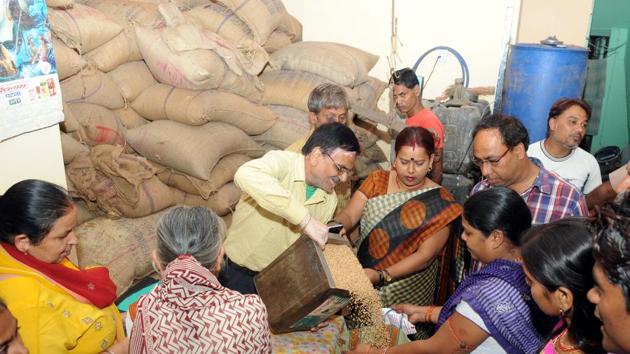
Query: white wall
point(32, 155)
point(475, 29)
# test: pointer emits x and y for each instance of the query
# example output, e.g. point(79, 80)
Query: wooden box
point(298, 289)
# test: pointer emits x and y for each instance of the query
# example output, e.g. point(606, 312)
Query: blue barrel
point(536, 76)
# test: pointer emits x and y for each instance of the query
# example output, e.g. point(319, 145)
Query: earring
point(430, 168)
point(561, 312)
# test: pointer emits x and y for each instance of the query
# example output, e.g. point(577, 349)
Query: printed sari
point(499, 294)
point(394, 226)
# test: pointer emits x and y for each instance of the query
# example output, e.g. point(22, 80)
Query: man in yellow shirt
point(327, 103)
point(286, 194)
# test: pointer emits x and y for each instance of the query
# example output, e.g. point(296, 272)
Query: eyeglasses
point(340, 169)
point(492, 162)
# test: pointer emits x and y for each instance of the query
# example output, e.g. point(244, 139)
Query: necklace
point(557, 342)
point(403, 188)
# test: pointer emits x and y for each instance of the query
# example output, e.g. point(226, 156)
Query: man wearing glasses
point(500, 150)
point(285, 195)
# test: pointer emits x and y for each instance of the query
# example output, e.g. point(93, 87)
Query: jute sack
point(129, 118)
point(151, 103)
point(196, 108)
point(292, 125)
point(292, 27)
point(132, 79)
point(277, 40)
point(222, 202)
point(82, 27)
point(120, 184)
point(368, 93)
point(366, 138)
point(126, 12)
point(342, 64)
point(221, 174)
point(193, 150)
point(289, 88)
point(123, 246)
point(61, 4)
point(70, 123)
point(70, 148)
point(262, 16)
point(222, 21)
point(98, 125)
point(364, 166)
point(68, 61)
point(374, 153)
point(121, 49)
point(92, 86)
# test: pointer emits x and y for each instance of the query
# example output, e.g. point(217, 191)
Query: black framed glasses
point(493, 162)
point(340, 169)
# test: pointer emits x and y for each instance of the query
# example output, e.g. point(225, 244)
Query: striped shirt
point(549, 198)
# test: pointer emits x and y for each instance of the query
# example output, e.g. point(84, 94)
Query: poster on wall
point(30, 98)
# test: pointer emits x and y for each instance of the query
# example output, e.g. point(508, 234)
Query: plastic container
point(536, 76)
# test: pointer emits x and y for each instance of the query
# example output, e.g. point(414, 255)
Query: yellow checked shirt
point(273, 204)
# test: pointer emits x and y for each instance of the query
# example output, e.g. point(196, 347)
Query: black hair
point(512, 130)
point(498, 208)
point(612, 243)
point(560, 254)
point(415, 136)
point(406, 77)
point(31, 207)
point(329, 137)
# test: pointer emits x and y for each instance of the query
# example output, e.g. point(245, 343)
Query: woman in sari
point(190, 311)
point(59, 307)
point(558, 261)
point(491, 311)
point(405, 219)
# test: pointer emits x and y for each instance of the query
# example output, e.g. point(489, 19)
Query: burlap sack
point(216, 18)
point(222, 202)
point(123, 246)
point(289, 88)
point(277, 40)
point(191, 150)
point(363, 167)
point(342, 64)
point(261, 16)
point(70, 147)
point(292, 27)
point(374, 153)
point(70, 123)
point(129, 118)
point(216, 106)
point(68, 61)
point(92, 86)
point(366, 138)
point(368, 93)
point(292, 125)
point(121, 49)
point(132, 79)
point(98, 125)
point(120, 184)
point(151, 103)
point(82, 27)
point(221, 174)
point(126, 12)
point(61, 4)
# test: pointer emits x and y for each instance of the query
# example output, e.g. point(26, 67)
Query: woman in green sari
point(405, 219)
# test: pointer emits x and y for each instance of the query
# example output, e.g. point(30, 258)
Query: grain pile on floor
point(365, 305)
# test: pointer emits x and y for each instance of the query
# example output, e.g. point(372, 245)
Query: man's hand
point(372, 275)
point(317, 231)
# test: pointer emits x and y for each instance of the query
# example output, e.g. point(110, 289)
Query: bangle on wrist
point(387, 278)
point(429, 314)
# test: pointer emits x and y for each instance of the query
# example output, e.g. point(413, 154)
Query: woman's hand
point(372, 275)
point(416, 314)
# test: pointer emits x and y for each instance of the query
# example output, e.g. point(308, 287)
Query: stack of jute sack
point(295, 70)
point(159, 110)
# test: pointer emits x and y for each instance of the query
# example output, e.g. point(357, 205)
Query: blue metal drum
point(536, 76)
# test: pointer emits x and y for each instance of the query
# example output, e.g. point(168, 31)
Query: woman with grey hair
point(190, 311)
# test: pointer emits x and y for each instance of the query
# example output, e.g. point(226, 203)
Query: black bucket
point(608, 158)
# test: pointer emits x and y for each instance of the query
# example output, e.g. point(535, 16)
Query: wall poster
point(30, 97)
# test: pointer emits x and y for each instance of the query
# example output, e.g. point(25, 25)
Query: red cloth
point(94, 284)
point(429, 121)
point(190, 312)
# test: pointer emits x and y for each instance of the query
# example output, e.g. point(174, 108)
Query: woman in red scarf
point(190, 311)
point(59, 307)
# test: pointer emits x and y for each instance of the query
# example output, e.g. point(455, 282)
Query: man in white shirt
point(559, 151)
